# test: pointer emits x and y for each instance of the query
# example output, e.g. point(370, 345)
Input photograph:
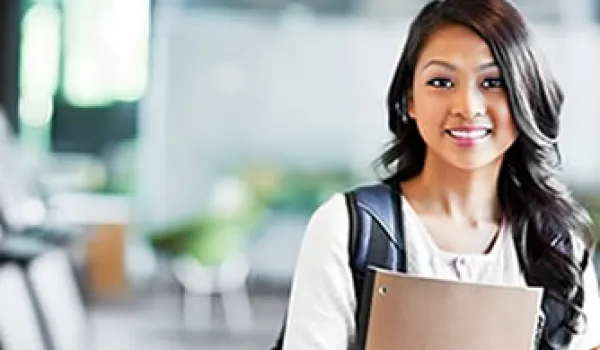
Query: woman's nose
point(469, 102)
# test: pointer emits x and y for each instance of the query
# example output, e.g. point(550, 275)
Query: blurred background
point(160, 158)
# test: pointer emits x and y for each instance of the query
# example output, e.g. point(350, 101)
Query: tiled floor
point(155, 323)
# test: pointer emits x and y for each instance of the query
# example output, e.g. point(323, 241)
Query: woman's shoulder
point(330, 219)
point(332, 208)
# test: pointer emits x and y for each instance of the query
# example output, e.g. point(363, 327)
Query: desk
point(107, 217)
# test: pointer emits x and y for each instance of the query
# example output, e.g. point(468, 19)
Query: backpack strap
point(550, 333)
point(376, 206)
point(376, 240)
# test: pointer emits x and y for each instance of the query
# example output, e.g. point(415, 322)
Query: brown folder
point(416, 313)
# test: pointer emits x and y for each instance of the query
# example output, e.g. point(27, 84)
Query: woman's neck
point(466, 196)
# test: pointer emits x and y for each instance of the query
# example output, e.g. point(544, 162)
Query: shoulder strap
point(376, 227)
point(376, 239)
point(551, 333)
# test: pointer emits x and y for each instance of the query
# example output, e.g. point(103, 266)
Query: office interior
point(161, 158)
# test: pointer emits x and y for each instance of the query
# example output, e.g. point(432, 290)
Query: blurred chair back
point(60, 302)
point(19, 325)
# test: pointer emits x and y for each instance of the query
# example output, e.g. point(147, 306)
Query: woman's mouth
point(469, 136)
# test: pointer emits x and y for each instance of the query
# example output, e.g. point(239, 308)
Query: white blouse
point(322, 301)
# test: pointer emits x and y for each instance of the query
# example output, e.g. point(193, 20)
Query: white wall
point(229, 88)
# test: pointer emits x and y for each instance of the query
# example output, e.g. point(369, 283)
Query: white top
point(322, 302)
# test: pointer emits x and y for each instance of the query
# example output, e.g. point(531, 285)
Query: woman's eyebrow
point(452, 67)
point(488, 65)
point(437, 62)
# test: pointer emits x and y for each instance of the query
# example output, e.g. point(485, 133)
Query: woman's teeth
point(470, 134)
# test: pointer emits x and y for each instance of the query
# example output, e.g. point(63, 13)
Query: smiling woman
point(474, 113)
point(472, 65)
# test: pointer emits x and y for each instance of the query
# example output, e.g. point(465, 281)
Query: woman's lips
point(469, 136)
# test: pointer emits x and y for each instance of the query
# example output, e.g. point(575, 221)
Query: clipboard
point(420, 313)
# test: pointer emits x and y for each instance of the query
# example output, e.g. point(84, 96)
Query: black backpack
point(376, 239)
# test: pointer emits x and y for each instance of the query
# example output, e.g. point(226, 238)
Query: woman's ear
point(409, 105)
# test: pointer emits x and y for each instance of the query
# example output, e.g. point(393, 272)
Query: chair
point(59, 299)
point(209, 260)
point(227, 280)
point(19, 324)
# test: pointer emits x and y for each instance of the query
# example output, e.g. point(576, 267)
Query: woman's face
point(459, 101)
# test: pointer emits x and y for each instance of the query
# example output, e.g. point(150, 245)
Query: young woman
point(474, 113)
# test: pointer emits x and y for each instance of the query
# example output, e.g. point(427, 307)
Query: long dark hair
point(543, 213)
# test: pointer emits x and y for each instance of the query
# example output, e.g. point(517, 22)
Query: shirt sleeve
point(591, 306)
point(322, 302)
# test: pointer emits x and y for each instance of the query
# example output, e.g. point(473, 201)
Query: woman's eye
point(440, 83)
point(493, 83)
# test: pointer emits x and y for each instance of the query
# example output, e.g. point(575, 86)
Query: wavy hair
point(543, 214)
